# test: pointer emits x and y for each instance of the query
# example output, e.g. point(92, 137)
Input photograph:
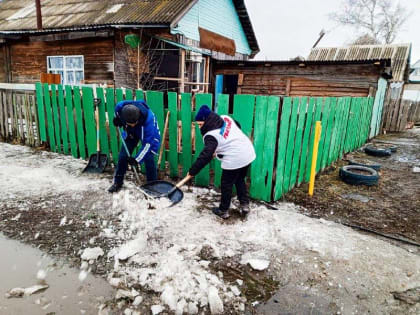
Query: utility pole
point(321, 35)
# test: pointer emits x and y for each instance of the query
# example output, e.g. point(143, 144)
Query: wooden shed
point(300, 78)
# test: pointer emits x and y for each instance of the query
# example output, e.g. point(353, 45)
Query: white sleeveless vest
point(234, 146)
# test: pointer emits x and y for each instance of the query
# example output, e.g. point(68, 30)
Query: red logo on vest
point(227, 128)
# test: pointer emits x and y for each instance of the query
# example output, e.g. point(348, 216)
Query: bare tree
point(382, 20)
point(365, 39)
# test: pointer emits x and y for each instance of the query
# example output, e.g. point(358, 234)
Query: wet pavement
point(19, 266)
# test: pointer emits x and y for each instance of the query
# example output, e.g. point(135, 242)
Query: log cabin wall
point(3, 64)
point(305, 79)
point(29, 59)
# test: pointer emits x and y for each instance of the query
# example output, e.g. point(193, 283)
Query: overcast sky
point(289, 28)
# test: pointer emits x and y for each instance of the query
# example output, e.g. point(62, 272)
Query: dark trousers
point(233, 177)
point(149, 161)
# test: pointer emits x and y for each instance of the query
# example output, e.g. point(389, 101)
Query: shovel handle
point(165, 130)
point(183, 181)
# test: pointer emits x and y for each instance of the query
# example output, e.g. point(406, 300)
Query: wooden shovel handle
point(182, 182)
point(162, 146)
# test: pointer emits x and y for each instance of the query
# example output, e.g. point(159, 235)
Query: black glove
point(118, 122)
point(132, 161)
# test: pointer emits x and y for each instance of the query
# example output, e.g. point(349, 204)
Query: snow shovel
point(161, 188)
point(98, 161)
point(134, 168)
point(162, 147)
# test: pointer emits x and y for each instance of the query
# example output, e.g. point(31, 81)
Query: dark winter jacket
point(146, 130)
point(212, 122)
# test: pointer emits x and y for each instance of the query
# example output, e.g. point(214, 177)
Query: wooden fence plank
point(350, 123)
point(63, 119)
point(120, 95)
point(319, 103)
point(70, 118)
point(330, 126)
point(50, 124)
point(334, 132)
point(356, 130)
point(324, 122)
point(89, 119)
point(282, 147)
point(113, 135)
point(41, 111)
point(129, 95)
point(270, 146)
point(2, 119)
point(339, 136)
point(291, 143)
point(79, 122)
point(103, 134)
point(202, 178)
point(257, 176)
point(56, 117)
point(19, 107)
point(155, 102)
point(298, 141)
point(186, 132)
point(305, 141)
point(243, 111)
point(173, 133)
point(24, 107)
point(222, 109)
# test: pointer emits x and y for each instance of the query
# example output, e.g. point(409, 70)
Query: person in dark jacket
point(224, 139)
point(140, 124)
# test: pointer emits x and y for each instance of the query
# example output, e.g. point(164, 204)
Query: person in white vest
point(224, 139)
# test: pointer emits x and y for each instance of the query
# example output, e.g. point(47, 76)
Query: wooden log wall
point(327, 80)
point(3, 73)
point(29, 59)
point(19, 117)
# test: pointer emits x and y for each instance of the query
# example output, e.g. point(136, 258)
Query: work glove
point(117, 122)
point(132, 161)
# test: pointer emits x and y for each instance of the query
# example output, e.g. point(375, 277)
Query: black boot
point(244, 209)
point(223, 214)
point(114, 188)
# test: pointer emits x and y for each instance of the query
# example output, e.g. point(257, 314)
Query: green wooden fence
point(282, 130)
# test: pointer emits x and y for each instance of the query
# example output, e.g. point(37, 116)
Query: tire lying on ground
point(375, 166)
point(371, 150)
point(359, 175)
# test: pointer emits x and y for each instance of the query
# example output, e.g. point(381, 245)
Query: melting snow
point(92, 253)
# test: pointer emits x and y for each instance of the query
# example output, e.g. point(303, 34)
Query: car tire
point(371, 150)
point(376, 167)
point(350, 175)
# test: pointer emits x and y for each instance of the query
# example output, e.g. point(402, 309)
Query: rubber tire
point(371, 150)
point(351, 178)
point(376, 167)
point(393, 148)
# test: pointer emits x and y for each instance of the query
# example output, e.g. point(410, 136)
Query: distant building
point(412, 90)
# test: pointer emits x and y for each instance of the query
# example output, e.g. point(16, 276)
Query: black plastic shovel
point(162, 188)
point(98, 161)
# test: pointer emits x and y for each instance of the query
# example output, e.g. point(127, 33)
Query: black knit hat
point(130, 114)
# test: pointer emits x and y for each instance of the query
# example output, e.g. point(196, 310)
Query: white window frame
point(65, 70)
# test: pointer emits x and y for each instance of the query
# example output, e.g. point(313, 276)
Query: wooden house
point(155, 44)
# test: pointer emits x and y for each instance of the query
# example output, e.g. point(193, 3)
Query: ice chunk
point(216, 304)
point(168, 297)
point(92, 253)
point(131, 248)
point(156, 309)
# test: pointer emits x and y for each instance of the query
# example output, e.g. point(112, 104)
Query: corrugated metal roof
point(399, 55)
point(20, 15)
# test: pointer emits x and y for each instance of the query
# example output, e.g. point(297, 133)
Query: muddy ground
point(392, 207)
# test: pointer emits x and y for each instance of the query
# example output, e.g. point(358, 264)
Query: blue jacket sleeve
point(151, 138)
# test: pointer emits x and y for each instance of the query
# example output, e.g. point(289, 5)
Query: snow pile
point(41, 172)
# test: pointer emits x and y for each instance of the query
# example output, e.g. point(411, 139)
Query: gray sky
point(288, 28)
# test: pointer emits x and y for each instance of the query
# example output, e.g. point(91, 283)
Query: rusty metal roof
point(399, 55)
point(20, 15)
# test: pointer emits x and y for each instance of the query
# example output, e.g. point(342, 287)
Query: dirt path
point(392, 207)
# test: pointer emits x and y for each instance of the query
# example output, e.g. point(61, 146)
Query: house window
point(71, 68)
